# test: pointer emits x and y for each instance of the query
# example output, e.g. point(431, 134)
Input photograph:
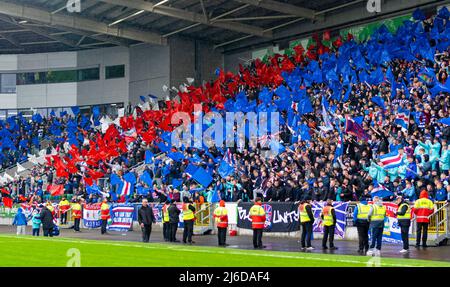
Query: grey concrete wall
point(182, 61)
point(232, 61)
point(149, 71)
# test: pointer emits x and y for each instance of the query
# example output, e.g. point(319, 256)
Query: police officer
point(104, 215)
point(221, 219)
point(328, 216)
point(165, 220)
point(64, 206)
point(404, 221)
point(306, 222)
point(76, 214)
point(258, 217)
point(174, 218)
point(376, 216)
point(188, 220)
point(361, 222)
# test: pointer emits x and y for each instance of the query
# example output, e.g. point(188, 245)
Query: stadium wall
point(147, 69)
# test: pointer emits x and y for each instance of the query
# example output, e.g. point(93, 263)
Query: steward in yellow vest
point(328, 216)
point(361, 221)
point(376, 217)
point(306, 222)
point(221, 219)
point(258, 217)
point(404, 221)
point(104, 215)
point(188, 221)
point(165, 220)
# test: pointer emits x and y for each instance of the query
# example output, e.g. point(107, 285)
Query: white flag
point(20, 168)
point(121, 112)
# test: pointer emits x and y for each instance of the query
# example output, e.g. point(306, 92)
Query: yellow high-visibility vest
point(363, 211)
point(304, 217)
point(379, 213)
point(407, 214)
point(165, 213)
point(187, 213)
point(327, 216)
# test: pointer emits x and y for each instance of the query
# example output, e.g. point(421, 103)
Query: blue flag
point(148, 157)
point(202, 177)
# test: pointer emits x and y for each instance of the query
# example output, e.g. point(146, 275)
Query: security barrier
point(439, 220)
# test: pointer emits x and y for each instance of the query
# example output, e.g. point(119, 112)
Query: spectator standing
point(36, 223)
point(174, 218)
point(145, 219)
point(20, 221)
point(47, 221)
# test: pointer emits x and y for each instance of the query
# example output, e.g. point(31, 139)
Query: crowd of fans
point(306, 168)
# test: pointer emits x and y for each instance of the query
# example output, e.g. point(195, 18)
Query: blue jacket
point(441, 194)
point(20, 218)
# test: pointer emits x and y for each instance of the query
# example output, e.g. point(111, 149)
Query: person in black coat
point(174, 218)
point(47, 221)
point(145, 219)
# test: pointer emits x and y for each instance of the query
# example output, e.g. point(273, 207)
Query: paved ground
point(245, 242)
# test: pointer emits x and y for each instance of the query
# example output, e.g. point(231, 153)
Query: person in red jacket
point(423, 208)
point(221, 218)
point(258, 217)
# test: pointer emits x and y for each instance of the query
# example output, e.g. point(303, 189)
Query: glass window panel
point(8, 83)
point(113, 72)
point(61, 76)
point(91, 74)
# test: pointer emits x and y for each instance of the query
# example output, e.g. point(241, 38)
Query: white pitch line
point(210, 252)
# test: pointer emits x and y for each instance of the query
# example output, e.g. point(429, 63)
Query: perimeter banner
point(391, 232)
point(121, 217)
point(91, 216)
point(340, 208)
point(280, 217)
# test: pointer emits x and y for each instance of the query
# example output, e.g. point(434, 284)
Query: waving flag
point(226, 166)
point(328, 126)
point(125, 189)
point(353, 128)
point(391, 160)
point(381, 191)
point(402, 118)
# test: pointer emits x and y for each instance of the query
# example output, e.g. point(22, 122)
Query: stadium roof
point(31, 26)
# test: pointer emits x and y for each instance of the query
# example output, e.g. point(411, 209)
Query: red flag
point(88, 181)
point(56, 189)
point(326, 35)
point(6, 198)
point(7, 202)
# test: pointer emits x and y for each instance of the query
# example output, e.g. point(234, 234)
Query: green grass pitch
point(39, 251)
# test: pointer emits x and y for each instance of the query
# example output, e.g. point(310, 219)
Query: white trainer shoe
point(310, 248)
point(404, 251)
point(377, 252)
point(369, 252)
